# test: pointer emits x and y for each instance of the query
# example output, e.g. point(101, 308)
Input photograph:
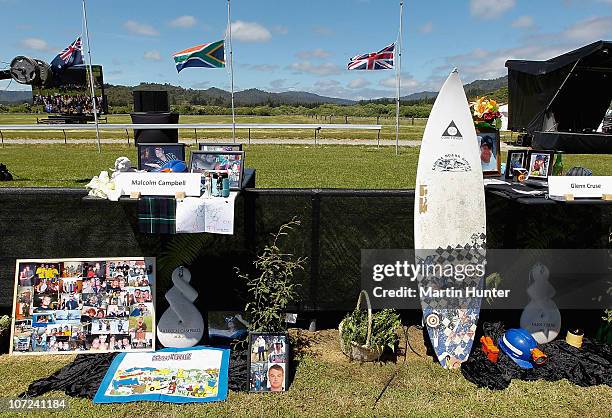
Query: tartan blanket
point(157, 215)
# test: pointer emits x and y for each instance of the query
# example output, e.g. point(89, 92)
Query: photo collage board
point(268, 362)
point(84, 305)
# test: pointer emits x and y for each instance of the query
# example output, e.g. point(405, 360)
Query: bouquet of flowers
point(486, 113)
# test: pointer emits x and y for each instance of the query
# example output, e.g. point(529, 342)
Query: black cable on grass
point(384, 389)
point(408, 341)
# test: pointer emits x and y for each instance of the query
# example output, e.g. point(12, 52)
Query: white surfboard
point(450, 217)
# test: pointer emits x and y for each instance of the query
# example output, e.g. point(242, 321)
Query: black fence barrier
point(335, 225)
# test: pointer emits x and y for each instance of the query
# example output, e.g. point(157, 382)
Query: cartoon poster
point(177, 375)
point(84, 305)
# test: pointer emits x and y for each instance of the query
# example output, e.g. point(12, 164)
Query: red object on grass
point(489, 348)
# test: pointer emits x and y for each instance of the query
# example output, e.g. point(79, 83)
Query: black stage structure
point(153, 106)
point(562, 101)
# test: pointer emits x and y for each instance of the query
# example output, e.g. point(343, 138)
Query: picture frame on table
point(151, 157)
point(490, 151)
point(268, 362)
point(540, 164)
point(232, 161)
point(516, 159)
point(215, 146)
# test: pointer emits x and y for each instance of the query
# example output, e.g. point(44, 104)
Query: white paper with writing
point(190, 215)
point(214, 215)
point(220, 215)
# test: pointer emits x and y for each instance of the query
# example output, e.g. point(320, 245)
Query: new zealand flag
point(72, 55)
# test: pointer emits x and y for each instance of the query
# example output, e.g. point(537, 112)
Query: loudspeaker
point(153, 136)
point(151, 101)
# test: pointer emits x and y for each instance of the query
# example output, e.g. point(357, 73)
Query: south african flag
point(210, 55)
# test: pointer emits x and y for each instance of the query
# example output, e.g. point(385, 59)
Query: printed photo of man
point(71, 303)
point(488, 160)
point(276, 378)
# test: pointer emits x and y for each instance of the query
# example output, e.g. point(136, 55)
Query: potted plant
point(271, 289)
point(365, 335)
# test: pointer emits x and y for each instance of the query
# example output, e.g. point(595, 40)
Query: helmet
point(518, 343)
point(174, 166)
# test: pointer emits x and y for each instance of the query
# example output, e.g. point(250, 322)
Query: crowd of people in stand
point(67, 104)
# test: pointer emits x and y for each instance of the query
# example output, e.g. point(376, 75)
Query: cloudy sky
point(305, 45)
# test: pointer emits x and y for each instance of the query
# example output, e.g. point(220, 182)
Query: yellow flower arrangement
point(486, 113)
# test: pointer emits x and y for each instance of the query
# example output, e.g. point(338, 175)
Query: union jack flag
point(381, 60)
point(67, 53)
point(71, 55)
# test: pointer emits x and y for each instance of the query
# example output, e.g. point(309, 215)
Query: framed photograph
point(152, 157)
point(232, 161)
point(219, 147)
point(540, 164)
point(516, 159)
point(490, 152)
point(268, 362)
point(87, 305)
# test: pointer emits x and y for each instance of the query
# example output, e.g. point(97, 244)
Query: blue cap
point(174, 166)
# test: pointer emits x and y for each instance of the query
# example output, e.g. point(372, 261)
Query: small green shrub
point(384, 328)
point(272, 288)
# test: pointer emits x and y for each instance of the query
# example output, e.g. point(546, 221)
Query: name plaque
point(159, 184)
point(580, 186)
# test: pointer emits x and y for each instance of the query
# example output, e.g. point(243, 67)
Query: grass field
point(407, 130)
point(410, 129)
point(327, 384)
point(323, 166)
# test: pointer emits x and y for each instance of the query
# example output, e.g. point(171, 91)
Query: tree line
point(324, 110)
point(205, 102)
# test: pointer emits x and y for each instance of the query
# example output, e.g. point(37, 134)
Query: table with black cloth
point(537, 221)
point(506, 191)
point(243, 238)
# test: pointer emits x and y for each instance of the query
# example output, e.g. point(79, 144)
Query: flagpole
point(91, 79)
point(231, 62)
point(398, 78)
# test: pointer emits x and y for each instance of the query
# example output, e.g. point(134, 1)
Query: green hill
point(122, 96)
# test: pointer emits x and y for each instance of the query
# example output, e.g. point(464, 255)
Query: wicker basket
point(362, 353)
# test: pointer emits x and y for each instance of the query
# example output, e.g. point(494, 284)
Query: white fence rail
point(191, 126)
